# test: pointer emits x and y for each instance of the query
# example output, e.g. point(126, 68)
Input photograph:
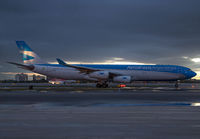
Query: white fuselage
point(69, 73)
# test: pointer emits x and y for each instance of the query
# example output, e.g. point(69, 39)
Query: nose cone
point(194, 74)
point(191, 74)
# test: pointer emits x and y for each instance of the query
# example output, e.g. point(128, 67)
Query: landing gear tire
point(176, 85)
point(98, 85)
point(103, 85)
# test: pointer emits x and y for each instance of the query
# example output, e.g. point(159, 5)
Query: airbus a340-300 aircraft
point(102, 74)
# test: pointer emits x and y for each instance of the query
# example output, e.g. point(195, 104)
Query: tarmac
point(100, 113)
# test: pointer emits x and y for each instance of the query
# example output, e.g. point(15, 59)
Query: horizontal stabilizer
point(27, 67)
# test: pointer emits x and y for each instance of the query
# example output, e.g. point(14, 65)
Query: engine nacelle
point(99, 75)
point(122, 79)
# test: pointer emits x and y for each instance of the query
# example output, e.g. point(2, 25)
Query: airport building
point(38, 77)
point(21, 77)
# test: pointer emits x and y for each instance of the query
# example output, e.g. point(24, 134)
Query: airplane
point(101, 74)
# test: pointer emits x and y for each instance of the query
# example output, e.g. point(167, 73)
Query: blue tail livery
point(29, 56)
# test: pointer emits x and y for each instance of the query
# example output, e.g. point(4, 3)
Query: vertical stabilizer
point(29, 57)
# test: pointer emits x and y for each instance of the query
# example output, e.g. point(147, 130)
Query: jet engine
point(99, 75)
point(122, 79)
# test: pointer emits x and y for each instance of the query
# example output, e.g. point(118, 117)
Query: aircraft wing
point(81, 69)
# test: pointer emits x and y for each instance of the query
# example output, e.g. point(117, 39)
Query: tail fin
point(29, 57)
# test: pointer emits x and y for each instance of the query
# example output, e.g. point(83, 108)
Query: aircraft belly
point(62, 73)
point(67, 74)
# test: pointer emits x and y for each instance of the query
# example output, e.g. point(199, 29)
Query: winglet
point(61, 62)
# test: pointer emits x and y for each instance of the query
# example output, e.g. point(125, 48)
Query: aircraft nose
point(192, 74)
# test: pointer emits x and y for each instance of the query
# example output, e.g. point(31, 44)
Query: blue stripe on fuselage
point(158, 68)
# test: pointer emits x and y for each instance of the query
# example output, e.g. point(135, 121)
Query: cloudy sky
point(97, 31)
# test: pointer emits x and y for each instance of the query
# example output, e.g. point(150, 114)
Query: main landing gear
point(102, 85)
point(177, 84)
